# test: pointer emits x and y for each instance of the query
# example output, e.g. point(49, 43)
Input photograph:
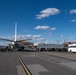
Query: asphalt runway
point(8, 63)
point(38, 63)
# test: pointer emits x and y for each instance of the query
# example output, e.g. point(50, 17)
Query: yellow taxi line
point(24, 66)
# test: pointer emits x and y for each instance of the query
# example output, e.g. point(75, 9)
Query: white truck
point(72, 47)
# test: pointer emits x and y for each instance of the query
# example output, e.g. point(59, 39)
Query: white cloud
point(36, 36)
point(48, 33)
point(73, 20)
point(53, 28)
point(73, 11)
point(6, 37)
point(41, 38)
point(44, 28)
point(25, 37)
point(47, 42)
point(47, 12)
point(62, 35)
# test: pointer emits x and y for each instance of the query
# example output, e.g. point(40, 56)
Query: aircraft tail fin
point(15, 31)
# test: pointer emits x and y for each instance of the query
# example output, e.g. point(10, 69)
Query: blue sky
point(43, 20)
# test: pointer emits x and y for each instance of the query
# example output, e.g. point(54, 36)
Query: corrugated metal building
point(50, 46)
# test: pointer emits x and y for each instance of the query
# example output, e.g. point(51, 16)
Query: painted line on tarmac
point(20, 70)
point(23, 65)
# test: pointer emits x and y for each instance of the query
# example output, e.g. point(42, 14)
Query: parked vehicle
point(72, 47)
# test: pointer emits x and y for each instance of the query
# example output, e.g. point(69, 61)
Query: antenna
point(15, 31)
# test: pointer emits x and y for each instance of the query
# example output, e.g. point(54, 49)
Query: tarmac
point(38, 63)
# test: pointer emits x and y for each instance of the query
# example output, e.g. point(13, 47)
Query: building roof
point(50, 46)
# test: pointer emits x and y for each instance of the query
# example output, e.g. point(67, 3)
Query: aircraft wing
point(7, 40)
point(25, 40)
